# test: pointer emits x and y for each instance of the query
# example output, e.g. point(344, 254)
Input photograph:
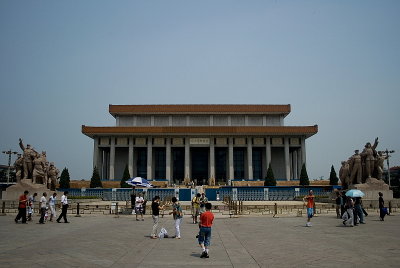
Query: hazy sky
point(63, 62)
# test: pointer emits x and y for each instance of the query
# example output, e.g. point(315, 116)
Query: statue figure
point(28, 159)
point(19, 165)
point(356, 168)
point(344, 174)
point(380, 159)
point(38, 169)
point(211, 181)
point(52, 174)
point(369, 159)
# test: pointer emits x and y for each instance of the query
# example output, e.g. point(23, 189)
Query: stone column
point(97, 156)
point(212, 158)
point(295, 168)
point(268, 150)
point(303, 151)
point(299, 162)
point(168, 160)
point(112, 158)
point(249, 158)
point(287, 158)
point(187, 158)
point(231, 169)
point(149, 158)
point(130, 157)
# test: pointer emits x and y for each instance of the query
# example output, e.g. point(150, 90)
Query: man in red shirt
point(205, 224)
point(22, 207)
point(310, 206)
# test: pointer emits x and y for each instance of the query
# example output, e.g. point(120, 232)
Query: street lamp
point(9, 152)
point(387, 152)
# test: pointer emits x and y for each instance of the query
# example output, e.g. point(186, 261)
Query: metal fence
point(278, 193)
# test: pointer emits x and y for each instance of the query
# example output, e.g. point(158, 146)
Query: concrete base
point(13, 192)
point(371, 189)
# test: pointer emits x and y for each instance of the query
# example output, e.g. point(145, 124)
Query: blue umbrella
point(138, 181)
point(354, 193)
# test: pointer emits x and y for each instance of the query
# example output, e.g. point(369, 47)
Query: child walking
point(310, 207)
point(205, 224)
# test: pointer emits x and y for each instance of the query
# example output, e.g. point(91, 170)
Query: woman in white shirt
point(139, 206)
point(52, 203)
point(43, 203)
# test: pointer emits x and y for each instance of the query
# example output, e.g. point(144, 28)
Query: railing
point(260, 193)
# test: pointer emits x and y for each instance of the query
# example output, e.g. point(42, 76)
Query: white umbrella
point(354, 193)
point(138, 181)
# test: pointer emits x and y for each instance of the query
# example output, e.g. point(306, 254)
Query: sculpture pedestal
point(14, 192)
point(371, 189)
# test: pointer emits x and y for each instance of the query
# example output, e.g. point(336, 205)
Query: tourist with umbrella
point(358, 213)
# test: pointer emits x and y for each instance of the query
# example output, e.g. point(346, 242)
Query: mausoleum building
point(199, 142)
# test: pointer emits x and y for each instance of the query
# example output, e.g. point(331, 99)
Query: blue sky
point(63, 62)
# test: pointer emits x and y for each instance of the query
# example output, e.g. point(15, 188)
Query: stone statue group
point(32, 165)
point(361, 166)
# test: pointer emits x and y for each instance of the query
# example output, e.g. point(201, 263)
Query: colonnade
point(294, 157)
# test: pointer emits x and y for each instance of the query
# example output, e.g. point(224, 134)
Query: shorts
point(310, 212)
point(205, 236)
point(138, 210)
point(195, 211)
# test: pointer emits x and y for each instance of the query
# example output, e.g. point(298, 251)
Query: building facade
point(198, 142)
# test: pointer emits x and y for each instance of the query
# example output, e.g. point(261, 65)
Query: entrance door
point(200, 165)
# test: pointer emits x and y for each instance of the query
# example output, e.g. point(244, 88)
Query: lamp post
point(387, 152)
point(9, 152)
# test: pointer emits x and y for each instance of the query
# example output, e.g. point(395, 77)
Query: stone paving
point(247, 241)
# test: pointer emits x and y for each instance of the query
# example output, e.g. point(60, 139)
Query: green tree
point(304, 176)
point(95, 181)
point(64, 179)
point(126, 176)
point(270, 178)
point(333, 179)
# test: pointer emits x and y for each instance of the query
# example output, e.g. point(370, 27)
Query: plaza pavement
point(247, 241)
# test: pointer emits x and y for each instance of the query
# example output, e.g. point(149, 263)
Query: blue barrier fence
point(271, 193)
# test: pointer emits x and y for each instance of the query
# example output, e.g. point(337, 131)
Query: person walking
point(155, 208)
point(64, 209)
point(52, 204)
point(23, 199)
point(139, 206)
point(382, 209)
point(43, 203)
point(203, 202)
point(196, 207)
point(344, 202)
point(205, 224)
point(31, 205)
point(310, 206)
point(178, 215)
point(350, 212)
point(359, 215)
point(133, 200)
point(338, 202)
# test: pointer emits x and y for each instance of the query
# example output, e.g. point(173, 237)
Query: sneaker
point(207, 256)
point(142, 219)
point(203, 254)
